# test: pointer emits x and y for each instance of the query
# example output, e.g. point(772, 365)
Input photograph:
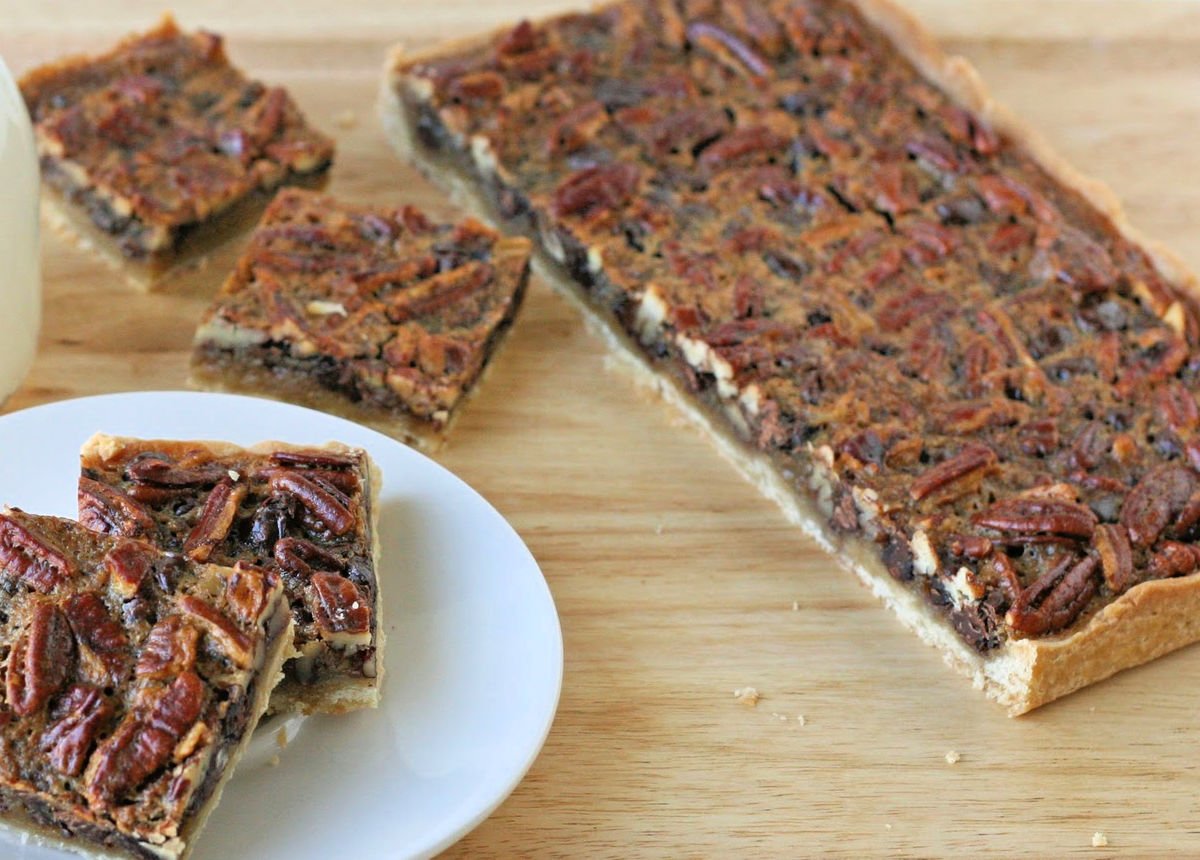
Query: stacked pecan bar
point(160, 148)
point(374, 313)
point(132, 681)
point(305, 514)
point(937, 346)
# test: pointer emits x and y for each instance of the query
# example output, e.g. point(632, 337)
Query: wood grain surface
point(676, 583)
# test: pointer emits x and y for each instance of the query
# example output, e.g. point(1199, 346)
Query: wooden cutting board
point(675, 581)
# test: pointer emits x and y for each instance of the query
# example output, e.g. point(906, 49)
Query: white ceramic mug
point(20, 271)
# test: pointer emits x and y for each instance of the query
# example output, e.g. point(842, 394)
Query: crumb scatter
point(748, 696)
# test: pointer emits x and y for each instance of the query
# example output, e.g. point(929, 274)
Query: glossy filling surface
point(958, 358)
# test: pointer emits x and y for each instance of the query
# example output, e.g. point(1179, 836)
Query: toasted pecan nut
point(80, 714)
point(237, 646)
point(143, 742)
point(1038, 516)
point(342, 614)
point(319, 502)
point(1116, 556)
point(169, 649)
point(40, 660)
point(103, 645)
point(314, 460)
point(246, 591)
point(127, 757)
point(971, 458)
point(1055, 599)
point(127, 564)
point(729, 50)
point(180, 705)
point(1177, 406)
point(163, 472)
point(107, 510)
point(439, 291)
point(302, 557)
point(1158, 497)
point(1173, 558)
point(26, 557)
point(594, 190)
point(215, 520)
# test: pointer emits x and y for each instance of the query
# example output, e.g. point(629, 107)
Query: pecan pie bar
point(939, 348)
point(375, 314)
point(132, 682)
point(159, 149)
point(307, 514)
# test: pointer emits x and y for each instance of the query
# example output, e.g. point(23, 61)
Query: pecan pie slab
point(133, 679)
point(305, 513)
point(941, 350)
point(160, 149)
point(378, 315)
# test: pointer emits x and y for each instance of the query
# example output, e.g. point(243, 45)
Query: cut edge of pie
point(1151, 619)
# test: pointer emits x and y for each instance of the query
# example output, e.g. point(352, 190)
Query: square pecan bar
point(158, 150)
point(305, 513)
point(133, 680)
point(379, 315)
point(944, 352)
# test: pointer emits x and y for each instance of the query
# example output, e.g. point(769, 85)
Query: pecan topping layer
point(962, 358)
point(40, 660)
point(108, 697)
point(277, 515)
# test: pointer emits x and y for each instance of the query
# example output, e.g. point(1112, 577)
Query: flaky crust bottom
point(185, 264)
point(1149, 620)
point(287, 387)
point(335, 695)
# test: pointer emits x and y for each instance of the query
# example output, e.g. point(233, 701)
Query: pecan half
point(103, 646)
point(969, 459)
point(215, 520)
point(169, 649)
point(1116, 556)
point(302, 557)
point(127, 564)
point(576, 128)
point(79, 715)
point(313, 459)
point(1158, 497)
point(158, 470)
point(143, 743)
point(237, 646)
point(594, 190)
point(739, 143)
point(180, 705)
point(40, 660)
point(342, 614)
point(729, 50)
point(107, 510)
point(1055, 599)
point(26, 557)
point(1038, 516)
point(321, 503)
point(1178, 408)
point(246, 592)
point(1172, 559)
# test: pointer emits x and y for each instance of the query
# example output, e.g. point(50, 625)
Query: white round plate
point(474, 650)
